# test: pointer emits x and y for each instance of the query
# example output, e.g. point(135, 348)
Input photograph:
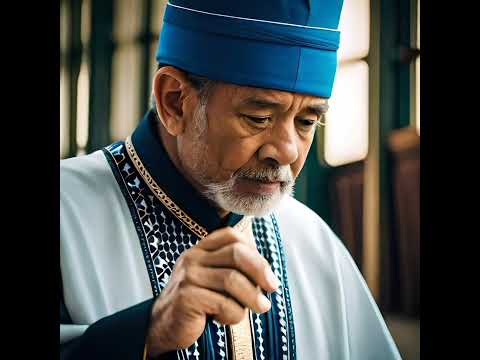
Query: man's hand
point(221, 276)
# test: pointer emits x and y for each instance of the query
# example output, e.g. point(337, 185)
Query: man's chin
point(245, 187)
point(250, 204)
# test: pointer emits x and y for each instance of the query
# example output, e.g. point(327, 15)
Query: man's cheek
point(236, 157)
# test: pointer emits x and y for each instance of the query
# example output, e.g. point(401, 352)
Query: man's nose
point(281, 146)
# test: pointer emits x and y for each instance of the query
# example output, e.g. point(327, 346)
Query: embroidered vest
point(165, 231)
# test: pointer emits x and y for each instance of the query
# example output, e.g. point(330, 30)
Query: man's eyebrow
point(261, 103)
point(318, 109)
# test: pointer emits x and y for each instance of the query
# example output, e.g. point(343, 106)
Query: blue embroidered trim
point(283, 259)
point(163, 238)
point(115, 158)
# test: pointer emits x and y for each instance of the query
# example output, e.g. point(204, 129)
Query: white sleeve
point(334, 313)
point(71, 331)
point(369, 337)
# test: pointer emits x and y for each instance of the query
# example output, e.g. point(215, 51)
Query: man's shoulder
point(298, 213)
point(88, 190)
point(303, 229)
point(84, 166)
point(86, 172)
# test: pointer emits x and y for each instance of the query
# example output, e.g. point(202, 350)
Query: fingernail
point(272, 279)
point(263, 303)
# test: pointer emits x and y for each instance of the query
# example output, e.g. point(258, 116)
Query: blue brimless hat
point(287, 45)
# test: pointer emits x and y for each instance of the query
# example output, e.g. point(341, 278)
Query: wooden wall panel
point(346, 190)
point(405, 150)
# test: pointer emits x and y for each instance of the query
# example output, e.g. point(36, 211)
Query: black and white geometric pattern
point(163, 238)
point(268, 240)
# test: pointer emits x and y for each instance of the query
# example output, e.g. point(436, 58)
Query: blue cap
point(288, 45)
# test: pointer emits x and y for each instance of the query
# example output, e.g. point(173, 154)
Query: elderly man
point(183, 241)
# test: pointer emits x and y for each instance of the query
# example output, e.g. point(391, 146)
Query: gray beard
point(222, 194)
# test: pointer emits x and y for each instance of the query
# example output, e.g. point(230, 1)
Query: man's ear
point(171, 89)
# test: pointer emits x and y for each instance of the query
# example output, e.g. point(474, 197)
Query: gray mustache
point(281, 174)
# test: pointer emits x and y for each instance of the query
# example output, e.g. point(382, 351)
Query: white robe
point(103, 268)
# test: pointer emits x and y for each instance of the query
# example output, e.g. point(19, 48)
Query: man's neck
point(170, 144)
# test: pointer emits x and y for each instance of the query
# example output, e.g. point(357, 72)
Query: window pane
point(346, 130)
point(125, 91)
point(64, 81)
point(127, 20)
point(355, 30)
point(86, 22)
point(64, 26)
point(64, 113)
point(417, 94)
point(83, 94)
point(158, 10)
point(418, 24)
point(417, 74)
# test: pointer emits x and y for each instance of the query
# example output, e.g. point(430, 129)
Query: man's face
point(245, 148)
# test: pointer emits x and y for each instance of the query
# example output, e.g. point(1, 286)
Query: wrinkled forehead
point(238, 95)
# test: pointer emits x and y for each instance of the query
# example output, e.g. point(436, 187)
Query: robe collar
point(154, 157)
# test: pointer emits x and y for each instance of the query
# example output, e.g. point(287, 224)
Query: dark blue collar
point(151, 151)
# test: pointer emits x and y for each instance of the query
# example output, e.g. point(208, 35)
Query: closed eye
point(258, 120)
point(307, 122)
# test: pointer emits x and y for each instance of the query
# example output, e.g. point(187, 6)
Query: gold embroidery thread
point(165, 199)
point(239, 334)
point(161, 195)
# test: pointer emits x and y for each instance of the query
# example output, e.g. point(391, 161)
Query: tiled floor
point(406, 333)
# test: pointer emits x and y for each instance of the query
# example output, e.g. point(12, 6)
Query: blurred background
point(362, 175)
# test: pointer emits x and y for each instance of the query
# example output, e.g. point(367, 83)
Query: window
point(64, 81)
point(417, 71)
point(75, 19)
point(346, 129)
point(346, 132)
point(82, 107)
point(83, 84)
point(126, 67)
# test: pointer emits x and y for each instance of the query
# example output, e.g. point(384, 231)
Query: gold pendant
point(240, 338)
point(240, 335)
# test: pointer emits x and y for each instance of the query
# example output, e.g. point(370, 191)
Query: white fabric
point(334, 313)
point(102, 264)
point(103, 269)
point(69, 332)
